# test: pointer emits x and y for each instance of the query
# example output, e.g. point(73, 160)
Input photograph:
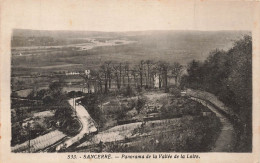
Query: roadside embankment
point(226, 138)
point(242, 140)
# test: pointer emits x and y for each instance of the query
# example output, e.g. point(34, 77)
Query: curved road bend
point(226, 139)
point(87, 125)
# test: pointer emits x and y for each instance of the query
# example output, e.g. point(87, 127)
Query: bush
point(170, 111)
point(90, 102)
point(175, 91)
point(128, 91)
point(131, 104)
point(72, 94)
point(140, 89)
point(140, 104)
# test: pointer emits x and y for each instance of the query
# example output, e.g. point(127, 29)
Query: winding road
point(87, 125)
point(225, 141)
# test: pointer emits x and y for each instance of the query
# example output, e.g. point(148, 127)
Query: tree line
point(227, 74)
point(141, 75)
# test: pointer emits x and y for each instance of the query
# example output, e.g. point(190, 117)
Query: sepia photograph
point(178, 78)
point(142, 91)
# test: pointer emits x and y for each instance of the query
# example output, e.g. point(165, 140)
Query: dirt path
point(225, 141)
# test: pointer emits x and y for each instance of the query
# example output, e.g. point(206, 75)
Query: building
point(156, 81)
point(87, 72)
point(72, 73)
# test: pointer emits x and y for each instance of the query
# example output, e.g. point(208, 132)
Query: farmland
point(178, 46)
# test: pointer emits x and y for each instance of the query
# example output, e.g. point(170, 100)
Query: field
point(173, 46)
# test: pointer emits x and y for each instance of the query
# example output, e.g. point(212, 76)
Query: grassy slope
point(190, 133)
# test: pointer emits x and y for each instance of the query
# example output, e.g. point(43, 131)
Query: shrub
point(170, 111)
point(140, 104)
point(128, 91)
point(175, 91)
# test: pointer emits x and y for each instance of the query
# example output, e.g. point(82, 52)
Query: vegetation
point(91, 103)
point(66, 121)
point(188, 134)
point(131, 79)
point(51, 100)
point(228, 74)
point(170, 46)
point(132, 87)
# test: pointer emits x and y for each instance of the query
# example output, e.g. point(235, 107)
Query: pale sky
point(128, 15)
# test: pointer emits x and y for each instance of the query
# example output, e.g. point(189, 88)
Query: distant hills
point(80, 34)
point(59, 33)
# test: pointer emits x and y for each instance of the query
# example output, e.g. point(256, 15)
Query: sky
point(128, 15)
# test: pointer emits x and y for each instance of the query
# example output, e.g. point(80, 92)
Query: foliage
point(91, 103)
point(73, 94)
point(175, 91)
point(140, 104)
point(53, 96)
point(227, 74)
point(128, 91)
point(186, 134)
point(178, 107)
point(21, 134)
point(66, 121)
point(177, 69)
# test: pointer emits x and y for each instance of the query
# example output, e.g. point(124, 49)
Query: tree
point(158, 72)
point(240, 78)
point(106, 71)
point(149, 64)
point(56, 95)
point(164, 67)
point(227, 74)
point(153, 73)
point(194, 74)
point(116, 70)
point(55, 88)
point(127, 73)
point(133, 73)
point(141, 72)
point(177, 69)
point(97, 75)
point(120, 73)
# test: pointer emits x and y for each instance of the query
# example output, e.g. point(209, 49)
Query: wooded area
point(228, 75)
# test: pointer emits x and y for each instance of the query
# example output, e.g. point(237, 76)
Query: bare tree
point(97, 75)
point(177, 69)
point(164, 67)
point(120, 73)
point(109, 73)
point(133, 73)
point(153, 73)
point(116, 70)
point(141, 72)
point(158, 72)
point(106, 71)
point(127, 73)
point(148, 65)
